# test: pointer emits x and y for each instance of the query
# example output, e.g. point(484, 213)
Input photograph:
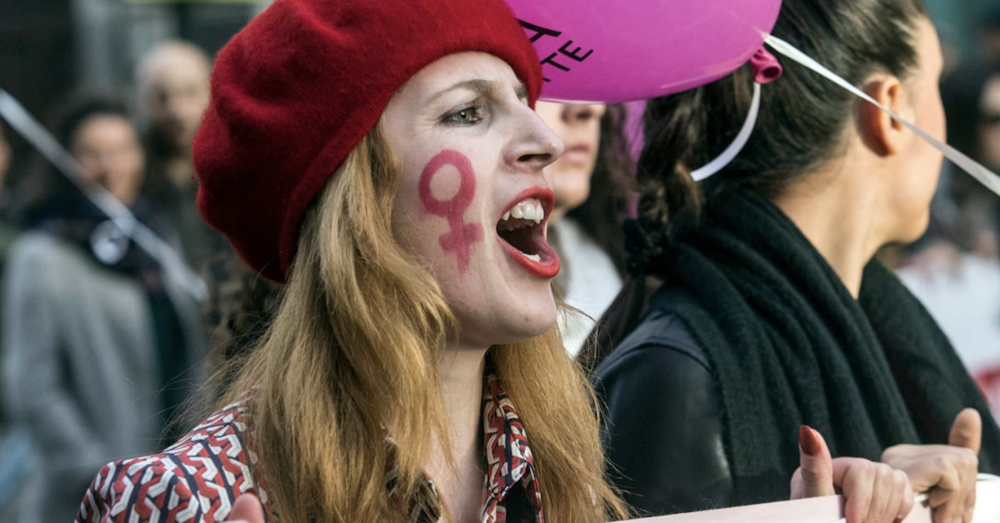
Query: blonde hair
point(354, 348)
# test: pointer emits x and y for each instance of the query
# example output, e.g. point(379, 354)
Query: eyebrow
point(483, 88)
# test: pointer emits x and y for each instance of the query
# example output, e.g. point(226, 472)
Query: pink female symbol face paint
point(462, 236)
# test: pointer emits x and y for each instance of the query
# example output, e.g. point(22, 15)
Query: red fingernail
point(897, 520)
point(808, 440)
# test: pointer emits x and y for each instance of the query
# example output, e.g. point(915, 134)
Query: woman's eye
point(465, 116)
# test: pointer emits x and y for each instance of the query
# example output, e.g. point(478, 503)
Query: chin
point(914, 230)
point(575, 199)
point(536, 326)
point(572, 189)
point(511, 326)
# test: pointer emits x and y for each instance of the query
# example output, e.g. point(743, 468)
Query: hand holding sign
point(604, 51)
point(873, 492)
point(948, 473)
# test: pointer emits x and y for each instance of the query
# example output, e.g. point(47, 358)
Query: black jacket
point(752, 335)
point(663, 428)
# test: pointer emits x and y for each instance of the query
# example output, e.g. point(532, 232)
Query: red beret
point(296, 90)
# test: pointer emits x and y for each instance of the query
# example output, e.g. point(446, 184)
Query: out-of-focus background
point(86, 336)
point(100, 348)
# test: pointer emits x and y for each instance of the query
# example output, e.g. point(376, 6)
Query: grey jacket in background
point(79, 365)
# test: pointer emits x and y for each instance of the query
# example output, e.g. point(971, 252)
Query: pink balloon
point(622, 50)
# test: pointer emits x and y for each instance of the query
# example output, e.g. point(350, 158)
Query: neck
point(461, 382)
point(837, 212)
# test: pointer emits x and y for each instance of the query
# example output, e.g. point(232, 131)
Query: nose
point(535, 145)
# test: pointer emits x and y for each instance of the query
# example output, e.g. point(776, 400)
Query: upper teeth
point(529, 209)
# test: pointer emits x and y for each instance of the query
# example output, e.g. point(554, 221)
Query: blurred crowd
point(92, 334)
point(101, 348)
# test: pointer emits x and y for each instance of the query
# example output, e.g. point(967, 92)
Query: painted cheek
point(462, 236)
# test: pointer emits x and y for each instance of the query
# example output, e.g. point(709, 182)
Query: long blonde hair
point(354, 348)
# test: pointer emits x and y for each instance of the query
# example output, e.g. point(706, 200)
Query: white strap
point(161, 251)
point(738, 144)
point(975, 169)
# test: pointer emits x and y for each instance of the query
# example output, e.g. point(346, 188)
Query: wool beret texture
point(297, 89)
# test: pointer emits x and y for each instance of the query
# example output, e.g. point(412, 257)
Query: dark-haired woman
point(773, 313)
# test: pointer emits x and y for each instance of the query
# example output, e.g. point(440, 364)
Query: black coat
point(752, 335)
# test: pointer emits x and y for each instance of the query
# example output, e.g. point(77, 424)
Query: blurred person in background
point(17, 456)
point(172, 79)
point(591, 193)
point(99, 349)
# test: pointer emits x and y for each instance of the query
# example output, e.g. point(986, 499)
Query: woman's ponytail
point(675, 124)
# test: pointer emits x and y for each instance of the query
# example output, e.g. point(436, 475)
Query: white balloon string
point(738, 144)
point(970, 166)
point(174, 268)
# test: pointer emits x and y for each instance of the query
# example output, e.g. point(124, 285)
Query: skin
point(462, 236)
point(946, 472)
point(508, 146)
point(489, 122)
point(874, 492)
point(108, 149)
point(878, 192)
point(174, 82)
point(579, 127)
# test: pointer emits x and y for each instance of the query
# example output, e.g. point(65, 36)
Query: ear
point(879, 131)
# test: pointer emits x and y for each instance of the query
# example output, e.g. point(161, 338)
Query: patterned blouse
point(199, 478)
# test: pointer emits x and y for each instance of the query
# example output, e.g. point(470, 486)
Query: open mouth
point(521, 231)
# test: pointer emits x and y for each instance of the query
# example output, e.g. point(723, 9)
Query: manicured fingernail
point(808, 440)
point(897, 520)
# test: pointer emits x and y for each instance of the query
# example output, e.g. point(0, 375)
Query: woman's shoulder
point(662, 337)
point(197, 479)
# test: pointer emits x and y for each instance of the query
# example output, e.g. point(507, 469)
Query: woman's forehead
point(469, 70)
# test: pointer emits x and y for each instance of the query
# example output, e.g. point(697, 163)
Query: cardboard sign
point(830, 510)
